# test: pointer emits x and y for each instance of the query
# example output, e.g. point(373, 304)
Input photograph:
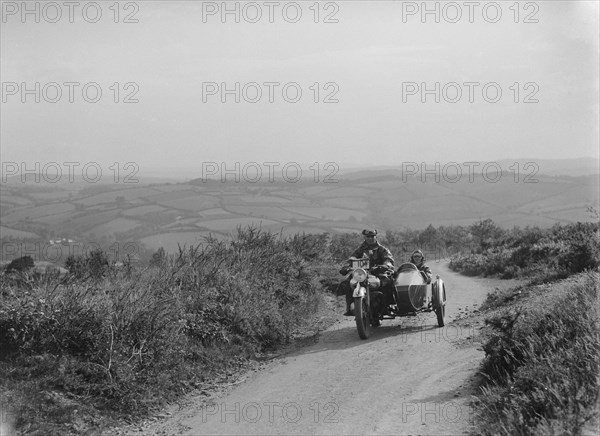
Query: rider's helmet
point(369, 232)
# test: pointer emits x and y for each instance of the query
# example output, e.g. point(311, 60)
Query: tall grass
point(542, 362)
point(127, 341)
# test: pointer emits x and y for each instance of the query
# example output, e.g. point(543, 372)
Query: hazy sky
point(374, 61)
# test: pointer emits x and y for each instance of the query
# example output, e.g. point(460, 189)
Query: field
point(143, 210)
point(18, 201)
point(16, 234)
point(172, 195)
point(110, 197)
point(89, 221)
point(449, 209)
point(171, 241)
point(266, 199)
point(169, 187)
point(215, 212)
point(32, 213)
point(344, 192)
point(194, 203)
point(117, 225)
point(162, 213)
point(55, 220)
point(276, 213)
point(290, 230)
point(230, 224)
point(328, 213)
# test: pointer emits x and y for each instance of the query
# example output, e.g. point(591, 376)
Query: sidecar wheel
point(361, 316)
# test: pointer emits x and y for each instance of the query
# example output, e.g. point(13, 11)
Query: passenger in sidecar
point(419, 260)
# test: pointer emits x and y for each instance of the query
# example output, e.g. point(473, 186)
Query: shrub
point(542, 363)
point(130, 340)
point(542, 256)
point(94, 264)
point(583, 253)
point(21, 264)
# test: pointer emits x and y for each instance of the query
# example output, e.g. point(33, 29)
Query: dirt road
point(409, 377)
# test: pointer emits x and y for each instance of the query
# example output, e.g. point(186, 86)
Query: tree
point(485, 232)
point(454, 237)
point(429, 237)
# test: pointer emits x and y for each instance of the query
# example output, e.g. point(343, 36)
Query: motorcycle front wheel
point(441, 310)
point(361, 316)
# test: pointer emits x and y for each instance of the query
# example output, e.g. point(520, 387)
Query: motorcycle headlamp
point(359, 275)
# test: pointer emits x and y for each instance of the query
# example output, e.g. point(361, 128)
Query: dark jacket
point(377, 254)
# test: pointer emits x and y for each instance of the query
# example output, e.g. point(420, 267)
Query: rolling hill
point(167, 214)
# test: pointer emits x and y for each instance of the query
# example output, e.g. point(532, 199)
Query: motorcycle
point(411, 295)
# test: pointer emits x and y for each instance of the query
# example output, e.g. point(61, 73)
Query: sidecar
point(412, 295)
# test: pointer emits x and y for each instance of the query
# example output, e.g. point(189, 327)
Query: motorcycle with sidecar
point(411, 295)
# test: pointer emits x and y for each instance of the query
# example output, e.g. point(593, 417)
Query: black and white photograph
point(311, 217)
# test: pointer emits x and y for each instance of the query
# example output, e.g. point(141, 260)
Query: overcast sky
point(369, 61)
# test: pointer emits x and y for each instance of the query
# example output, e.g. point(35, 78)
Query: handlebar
point(381, 269)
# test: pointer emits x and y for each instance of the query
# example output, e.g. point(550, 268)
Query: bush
point(95, 265)
point(542, 363)
point(583, 253)
point(21, 264)
point(129, 341)
point(542, 256)
point(470, 265)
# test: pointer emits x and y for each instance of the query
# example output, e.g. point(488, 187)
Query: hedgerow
point(540, 255)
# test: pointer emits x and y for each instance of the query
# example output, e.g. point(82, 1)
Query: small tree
point(95, 264)
point(429, 237)
point(485, 232)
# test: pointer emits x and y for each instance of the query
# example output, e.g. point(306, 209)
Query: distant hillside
point(583, 166)
point(168, 214)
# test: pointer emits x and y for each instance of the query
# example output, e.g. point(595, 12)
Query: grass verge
point(542, 359)
point(102, 346)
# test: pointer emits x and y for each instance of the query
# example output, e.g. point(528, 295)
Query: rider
point(378, 256)
point(419, 260)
